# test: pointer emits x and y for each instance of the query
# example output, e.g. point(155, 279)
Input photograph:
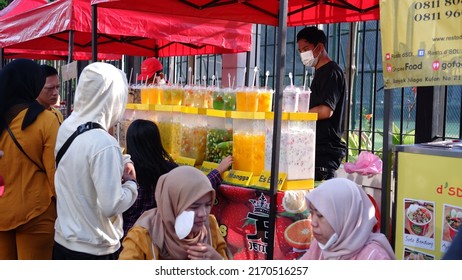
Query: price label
point(186, 161)
point(264, 180)
point(235, 177)
point(208, 166)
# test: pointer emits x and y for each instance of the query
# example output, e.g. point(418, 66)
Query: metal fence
point(356, 47)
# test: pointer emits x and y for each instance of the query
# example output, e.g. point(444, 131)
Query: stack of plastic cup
point(290, 99)
point(265, 100)
point(218, 99)
point(188, 96)
point(304, 101)
point(198, 97)
point(229, 99)
point(241, 99)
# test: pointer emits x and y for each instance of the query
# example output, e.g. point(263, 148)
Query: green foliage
point(407, 138)
point(3, 4)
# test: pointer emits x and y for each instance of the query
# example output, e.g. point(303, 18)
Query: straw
point(136, 77)
point(304, 80)
point(189, 75)
point(266, 79)
point(153, 80)
point(213, 80)
point(218, 83)
point(255, 71)
point(131, 73)
point(229, 80)
point(204, 79)
point(243, 77)
point(234, 79)
point(291, 80)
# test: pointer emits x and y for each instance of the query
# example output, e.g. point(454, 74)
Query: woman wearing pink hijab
point(342, 221)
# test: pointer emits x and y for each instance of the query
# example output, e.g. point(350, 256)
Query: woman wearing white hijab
point(181, 227)
point(342, 221)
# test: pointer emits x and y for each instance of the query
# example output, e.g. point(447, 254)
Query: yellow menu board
point(428, 204)
point(421, 42)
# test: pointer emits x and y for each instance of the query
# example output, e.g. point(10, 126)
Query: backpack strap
point(80, 129)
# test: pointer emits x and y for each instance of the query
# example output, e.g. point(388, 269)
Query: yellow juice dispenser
point(297, 145)
point(193, 134)
point(169, 123)
point(248, 141)
point(219, 135)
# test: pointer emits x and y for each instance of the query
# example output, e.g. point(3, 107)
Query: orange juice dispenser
point(219, 135)
point(248, 141)
point(169, 123)
point(297, 148)
point(193, 134)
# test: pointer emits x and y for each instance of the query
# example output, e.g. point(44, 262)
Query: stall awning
point(300, 12)
point(121, 32)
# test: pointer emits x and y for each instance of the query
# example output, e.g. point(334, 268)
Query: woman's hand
point(203, 251)
point(225, 164)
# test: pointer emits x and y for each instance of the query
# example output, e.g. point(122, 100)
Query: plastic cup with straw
point(252, 94)
point(290, 96)
point(265, 97)
point(241, 95)
point(304, 97)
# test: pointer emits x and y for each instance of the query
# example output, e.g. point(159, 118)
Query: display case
point(297, 150)
point(219, 135)
point(169, 123)
point(193, 134)
point(248, 141)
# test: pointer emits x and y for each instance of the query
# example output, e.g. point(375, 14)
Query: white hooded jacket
point(90, 195)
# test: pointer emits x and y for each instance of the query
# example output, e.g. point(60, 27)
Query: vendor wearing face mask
point(327, 100)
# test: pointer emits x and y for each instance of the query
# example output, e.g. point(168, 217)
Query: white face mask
point(308, 58)
point(329, 242)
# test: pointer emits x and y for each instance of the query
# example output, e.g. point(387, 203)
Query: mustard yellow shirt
point(28, 191)
point(138, 245)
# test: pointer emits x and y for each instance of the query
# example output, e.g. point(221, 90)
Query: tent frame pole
point(94, 33)
point(280, 70)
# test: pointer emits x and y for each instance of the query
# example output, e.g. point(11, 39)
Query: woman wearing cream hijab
point(342, 221)
point(181, 227)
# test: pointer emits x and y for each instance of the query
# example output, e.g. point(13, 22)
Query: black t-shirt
point(328, 88)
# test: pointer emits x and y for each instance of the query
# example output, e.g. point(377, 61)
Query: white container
point(297, 145)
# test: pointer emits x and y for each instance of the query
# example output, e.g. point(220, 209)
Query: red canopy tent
point(300, 12)
point(273, 12)
point(18, 7)
point(120, 32)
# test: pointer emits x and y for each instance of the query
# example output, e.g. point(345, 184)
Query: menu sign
point(429, 205)
point(421, 42)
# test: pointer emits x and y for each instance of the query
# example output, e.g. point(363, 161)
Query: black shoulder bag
point(20, 148)
point(80, 129)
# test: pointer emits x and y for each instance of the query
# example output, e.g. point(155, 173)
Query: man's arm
point(323, 111)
